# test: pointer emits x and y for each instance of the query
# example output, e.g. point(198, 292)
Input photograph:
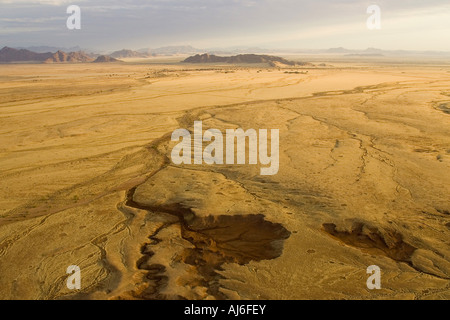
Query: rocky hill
point(206, 58)
point(105, 59)
point(61, 56)
point(8, 55)
point(22, 55)
point(244, 59)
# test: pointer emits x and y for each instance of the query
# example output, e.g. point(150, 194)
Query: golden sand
point(87, 180)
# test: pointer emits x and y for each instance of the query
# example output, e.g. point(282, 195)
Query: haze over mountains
point(171, 50)
point(125, 53)
point(46, 49)
point(189, 50)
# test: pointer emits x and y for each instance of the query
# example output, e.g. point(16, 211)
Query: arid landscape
point(87, 180)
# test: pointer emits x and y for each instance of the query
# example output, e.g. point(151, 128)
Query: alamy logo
point(374, 281)
point(74, 21)
point(374, 21)
point(74, 280)
point(234, 140)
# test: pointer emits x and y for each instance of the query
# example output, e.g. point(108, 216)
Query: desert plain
point(86, 179)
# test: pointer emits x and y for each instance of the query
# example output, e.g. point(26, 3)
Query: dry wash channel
point(210, 240)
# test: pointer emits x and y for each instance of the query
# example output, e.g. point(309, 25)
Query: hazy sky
point(114, 24)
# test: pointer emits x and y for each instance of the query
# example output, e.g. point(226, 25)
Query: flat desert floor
point(86, 179)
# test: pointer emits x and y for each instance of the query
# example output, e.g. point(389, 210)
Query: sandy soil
point(87, 180)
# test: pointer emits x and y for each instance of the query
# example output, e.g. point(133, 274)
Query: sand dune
point(87, 180)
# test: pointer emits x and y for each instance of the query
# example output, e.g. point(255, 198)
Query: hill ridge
point(244, 58)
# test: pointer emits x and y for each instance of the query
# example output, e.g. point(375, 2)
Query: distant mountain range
point(244, 58)
point(9, 55)
point(227, 55)
point(374, 52)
